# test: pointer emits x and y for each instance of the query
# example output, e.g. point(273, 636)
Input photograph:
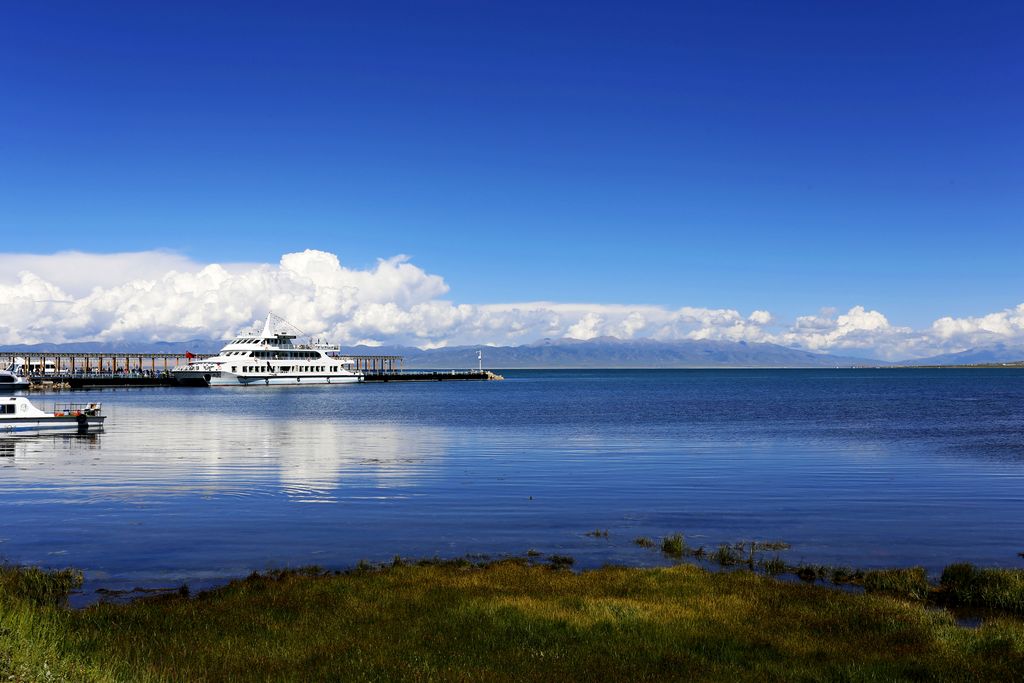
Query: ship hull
point(69, 424)
point(228, 379)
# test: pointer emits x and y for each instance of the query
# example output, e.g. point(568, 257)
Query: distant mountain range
point(610, 352)
point(996, 353)
point(603, 352)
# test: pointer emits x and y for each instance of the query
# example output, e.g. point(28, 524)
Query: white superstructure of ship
point(270, 357)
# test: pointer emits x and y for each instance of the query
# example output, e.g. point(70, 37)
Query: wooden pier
point(80, 370)
point(72, 363)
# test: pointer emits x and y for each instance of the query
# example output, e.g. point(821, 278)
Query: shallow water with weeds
point(853, 468)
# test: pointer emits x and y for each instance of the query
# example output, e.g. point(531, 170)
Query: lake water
point(863, 468)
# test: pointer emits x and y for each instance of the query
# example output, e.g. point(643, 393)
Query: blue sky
point(786, 156)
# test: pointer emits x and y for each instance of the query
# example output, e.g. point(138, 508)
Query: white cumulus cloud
point(161, 295)
point(858, 328)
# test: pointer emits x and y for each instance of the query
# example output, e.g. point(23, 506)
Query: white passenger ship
point(269, 357)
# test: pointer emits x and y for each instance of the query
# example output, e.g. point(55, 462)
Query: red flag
point(189, 355)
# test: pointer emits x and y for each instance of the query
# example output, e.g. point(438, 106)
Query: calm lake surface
point(862, 468)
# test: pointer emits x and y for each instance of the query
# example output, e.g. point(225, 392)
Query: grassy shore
point(497, 622)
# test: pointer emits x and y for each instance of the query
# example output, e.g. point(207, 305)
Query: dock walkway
point(86, 370)
point(110, 380)
point(431, 376)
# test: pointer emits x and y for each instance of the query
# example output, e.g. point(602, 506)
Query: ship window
point(9, 408)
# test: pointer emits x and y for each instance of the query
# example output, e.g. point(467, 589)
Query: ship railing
point(76, 409)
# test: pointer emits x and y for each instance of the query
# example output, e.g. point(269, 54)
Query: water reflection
point(148, 453)
point(23, 444)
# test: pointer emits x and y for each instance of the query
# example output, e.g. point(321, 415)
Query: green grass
point(504, 621)
point(36, 586)
point(674, 545)
point(909, 584)
point(774, 566)
point(968, 586)
point(727, 555)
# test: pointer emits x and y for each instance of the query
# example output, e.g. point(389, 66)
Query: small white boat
point(269, 357)
point(19, 416)
point(14, 377)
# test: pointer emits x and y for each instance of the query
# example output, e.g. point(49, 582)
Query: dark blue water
point(863, 468)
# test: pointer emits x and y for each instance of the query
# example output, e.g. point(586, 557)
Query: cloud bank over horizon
point(164, 296)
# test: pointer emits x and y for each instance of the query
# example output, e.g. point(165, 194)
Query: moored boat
point(14, 377)
point(270, 357)
point(18, 415)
